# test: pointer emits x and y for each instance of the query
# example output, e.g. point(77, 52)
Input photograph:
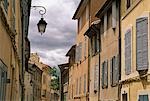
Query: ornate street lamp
point(42, 23)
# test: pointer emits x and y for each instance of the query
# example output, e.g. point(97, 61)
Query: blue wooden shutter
point(128, 52)
point(142, 43)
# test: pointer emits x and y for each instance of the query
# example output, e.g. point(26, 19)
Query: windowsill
point(96, 53)
point(130, 9)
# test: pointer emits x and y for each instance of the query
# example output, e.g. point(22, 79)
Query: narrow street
point(74, 50)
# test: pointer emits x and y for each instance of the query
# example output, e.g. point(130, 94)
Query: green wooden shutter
point(80, 51)
point(106, 73)
point(142, 43)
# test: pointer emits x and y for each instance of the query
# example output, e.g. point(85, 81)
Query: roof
point(71, 50)
point(80, 9)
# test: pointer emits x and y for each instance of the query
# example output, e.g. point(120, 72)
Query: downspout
point(89, 56)
point(99, 87)
point(119, 43)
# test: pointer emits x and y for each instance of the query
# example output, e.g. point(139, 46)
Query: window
point(128, 52)
point(6, 5)
point(142, 43)
point(80, 23)
point(78, 52)
point(114, 14)
point(85, 45)
point(3, 78)
point(96, 78)
point(114, 70)
point(124, 97)
point(143, 98)
point(44, 79)
point(105, 74)
point(102, 25)
point(87, 12)
point(77, 87)
point(109, 19)
point(128, 4)
point(95, 43)
point(80, 85)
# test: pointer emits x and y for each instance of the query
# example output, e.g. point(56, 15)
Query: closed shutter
point(105, 22)
point(142, 43)
point(111, 71)
point(114, 14)
point(103, 66)
point(96, 75)
point(80, 51)
point(128, 52)
point(117, 69)
point(77, 54)
point(106, 74)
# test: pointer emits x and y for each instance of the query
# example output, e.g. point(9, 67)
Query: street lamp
point(42, 23)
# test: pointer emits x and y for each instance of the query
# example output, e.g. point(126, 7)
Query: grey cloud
point(60, 33)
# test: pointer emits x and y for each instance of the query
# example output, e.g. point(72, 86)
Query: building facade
point(64, 84)
point(46, 77)
point(11, 86)
point(135, 50)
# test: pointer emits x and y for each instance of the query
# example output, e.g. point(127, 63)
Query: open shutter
point(128, 52)
point(111, 71)
point(145, 44)
point(114, 14)
point(142, 43)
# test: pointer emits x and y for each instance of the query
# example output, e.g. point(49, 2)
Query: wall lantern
point(42, 23)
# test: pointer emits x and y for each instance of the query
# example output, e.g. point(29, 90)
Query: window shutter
point(103, 65)
point(105, 22)
point(106, 74)
point(80, 51)
point(6, 5)
point(142, 43)
point(145, 44)
point(114, 14)
point(117, 69)
point(128, 52)
point(96, 75)
point(111, 71)
point(85, 46)
point(77, 53)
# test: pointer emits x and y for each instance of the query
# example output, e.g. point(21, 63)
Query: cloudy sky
point(60, 33)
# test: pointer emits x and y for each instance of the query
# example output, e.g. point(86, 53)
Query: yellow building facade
point(135, 69)
point(46, 77)
point(10, 46)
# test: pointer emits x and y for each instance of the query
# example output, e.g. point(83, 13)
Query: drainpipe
point(119, 43)
point(89, 56)
point(99, 87)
